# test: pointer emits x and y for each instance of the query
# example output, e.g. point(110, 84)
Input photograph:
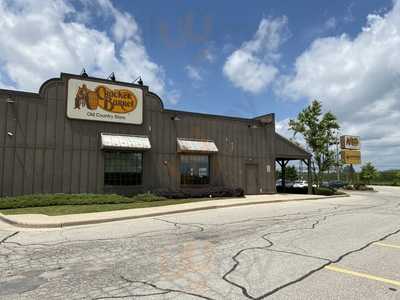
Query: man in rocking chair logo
point(104, 102)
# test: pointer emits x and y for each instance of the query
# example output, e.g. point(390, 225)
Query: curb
point(113, 219)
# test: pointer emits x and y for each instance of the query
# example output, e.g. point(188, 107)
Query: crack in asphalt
point(340, 258)
point(282, 218)
point(85, 240)
point(3, 243)
point(162, 291)
point(178, 224)
point(4, 240)
point(246, 293)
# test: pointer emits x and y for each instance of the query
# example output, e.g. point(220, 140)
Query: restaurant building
point(81, 134)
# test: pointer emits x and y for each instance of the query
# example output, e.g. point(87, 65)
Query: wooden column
point(284, 163)
point(309, 175)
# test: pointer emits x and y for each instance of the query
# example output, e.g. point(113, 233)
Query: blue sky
point(177, 33)
point(224, 57)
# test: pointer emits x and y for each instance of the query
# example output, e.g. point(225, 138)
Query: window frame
point(123, 185)
point(208, 167)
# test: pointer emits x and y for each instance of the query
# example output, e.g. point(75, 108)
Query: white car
point(287, 183)
point(300, 184)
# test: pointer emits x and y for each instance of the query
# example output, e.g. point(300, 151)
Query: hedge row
point(324, 191)
point(316, 191)
point(157, 195)
point(211, 192)
point(359, 187)
point(62, 199)
point(88, 199)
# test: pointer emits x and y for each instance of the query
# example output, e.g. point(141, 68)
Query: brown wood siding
point(288, 150)
point(54, 154)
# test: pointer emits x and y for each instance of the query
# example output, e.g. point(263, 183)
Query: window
point(195, 169)
point(123, 168)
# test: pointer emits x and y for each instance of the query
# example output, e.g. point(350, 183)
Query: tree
point(397, 178)
point(368, 172)
point(291, 173)
point(318, 131)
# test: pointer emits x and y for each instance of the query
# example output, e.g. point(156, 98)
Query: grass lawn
point(56, 210)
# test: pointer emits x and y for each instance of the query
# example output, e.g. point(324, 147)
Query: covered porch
point(287, 151)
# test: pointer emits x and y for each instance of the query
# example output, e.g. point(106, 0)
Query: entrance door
point(251, 179)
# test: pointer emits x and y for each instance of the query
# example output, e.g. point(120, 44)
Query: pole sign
point(90, 100)
point(350, 142)
point(350, 146)
point(352, 157)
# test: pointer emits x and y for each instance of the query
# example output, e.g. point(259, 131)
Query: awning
point(198, 146)
point(125, 142)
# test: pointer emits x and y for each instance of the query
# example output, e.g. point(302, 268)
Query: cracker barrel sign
point(350, 142)
point(352, 157)
point(89, 100)
point(351, 153)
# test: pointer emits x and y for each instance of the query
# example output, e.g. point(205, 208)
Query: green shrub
point(324, 191)
point(148, 197)
point(207, 192)
point(362, 187)
point(72, 199)
point(292, 190)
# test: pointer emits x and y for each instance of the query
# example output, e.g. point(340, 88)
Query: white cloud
point(320, 30)
point(124, 26)
point(193, 73)
point(357, 79)
point(252, 66)
point(40, 41)
point(209, 53)
point(330, 23)
point(227, 48)
point(173, 96)
point(349, 16)
point(282, 127)
point(209, 56)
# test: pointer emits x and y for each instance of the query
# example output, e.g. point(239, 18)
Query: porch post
point(283, 176)
point(310, 178)
point(284, 163)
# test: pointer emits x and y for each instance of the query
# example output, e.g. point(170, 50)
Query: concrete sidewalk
point(44, 221)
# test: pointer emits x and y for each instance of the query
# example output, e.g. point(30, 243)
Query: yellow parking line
point(363, 275)
point(387, 245)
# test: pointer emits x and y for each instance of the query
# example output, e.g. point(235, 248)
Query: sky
point(223, 57)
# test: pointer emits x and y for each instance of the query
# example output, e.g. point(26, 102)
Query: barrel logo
point(119, 101)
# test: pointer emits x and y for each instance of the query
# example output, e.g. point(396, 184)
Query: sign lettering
point(89, 100)
point(350, 142)
point(351, 157)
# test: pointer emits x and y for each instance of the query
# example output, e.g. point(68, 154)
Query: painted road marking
point(363, 275)
point(387, 245)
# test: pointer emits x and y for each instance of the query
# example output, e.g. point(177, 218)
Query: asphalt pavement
point(44, 221)
point(343, 248)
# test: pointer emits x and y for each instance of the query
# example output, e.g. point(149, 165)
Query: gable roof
point(286, 149)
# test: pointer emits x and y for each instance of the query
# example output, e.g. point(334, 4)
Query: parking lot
point(368, 273)
point(343, 248)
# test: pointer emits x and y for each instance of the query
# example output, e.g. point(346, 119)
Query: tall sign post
point(351, 152)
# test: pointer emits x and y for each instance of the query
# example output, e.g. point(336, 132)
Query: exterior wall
point(49, 153)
